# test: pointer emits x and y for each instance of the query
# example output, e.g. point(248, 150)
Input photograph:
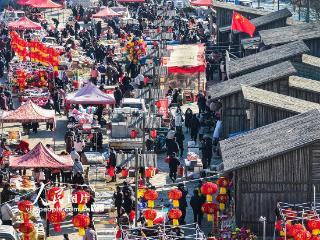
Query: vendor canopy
point(22, 2)
point(43, 4)
point(105, 13)
point(28, 112)
point(186, 58)
point(90, 94)
point(205, 3)
point(41, 157)
point(24, 23)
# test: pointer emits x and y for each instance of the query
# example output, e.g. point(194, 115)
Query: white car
point(136, 103)
point(9, 16)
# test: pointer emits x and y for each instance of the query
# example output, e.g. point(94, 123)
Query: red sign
point(162, 106)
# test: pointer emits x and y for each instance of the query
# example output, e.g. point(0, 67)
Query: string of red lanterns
point(56, 215)
point(26, 227)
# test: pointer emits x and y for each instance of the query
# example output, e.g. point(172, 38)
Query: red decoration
point(222, 198)
point(149, 172)
point(175, 214)
point(175, 195)
point(295, 229)
point(209, 189)
point(56, 217)
point(223, 182)
point(150, 215)
point(26, 228)
point(133, 133)
point(81, 198)
point(124, 172)
point(209, 208)
point(303, 235)
point(55, 193)
point(150, 195)
point(242, 24)
point(132, 215)
point(278, 225)
point(81, 221)
point(153, 134)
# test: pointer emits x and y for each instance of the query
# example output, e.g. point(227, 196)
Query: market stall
point(41, 157)
point(24, 23)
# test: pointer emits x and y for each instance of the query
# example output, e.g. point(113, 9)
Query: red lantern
point(25, 207)
point(222, 199)
point(314, 226)
point(56, 216)
point(149, 215)
point(295, 229)
point(150, 195)
point(153, 134)
point(209, 189)
point(81, 198)
point(26, 228)
point(209, 209)
point(133, 133)
point(278, 225)
point(303, 235)
point(175, 214)
point(175, 195)
point(55, 193)
point(223, 183)
point(81, 221)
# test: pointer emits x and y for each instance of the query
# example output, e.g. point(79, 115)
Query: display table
point(93, 158)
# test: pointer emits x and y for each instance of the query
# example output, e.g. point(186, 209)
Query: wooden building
point(274, 78)
point(290, 51)
point(304, 88)
point(308, 32)
point(225, 10)
point(269, 21)
point(267, 107)
point(279, 162)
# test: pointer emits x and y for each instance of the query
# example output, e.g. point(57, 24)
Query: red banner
point(162, 106)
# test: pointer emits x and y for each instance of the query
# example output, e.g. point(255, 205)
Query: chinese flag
point(242, 24)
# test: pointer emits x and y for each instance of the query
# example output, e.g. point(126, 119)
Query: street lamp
point(263, 221)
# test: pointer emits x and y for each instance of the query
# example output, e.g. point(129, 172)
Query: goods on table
point(23, 183)
point(39, 96)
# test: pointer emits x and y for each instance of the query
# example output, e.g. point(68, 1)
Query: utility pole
point(136, 174)
point(143, 132)
point(278, 5)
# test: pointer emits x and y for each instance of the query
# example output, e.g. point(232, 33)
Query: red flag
point(242, 24)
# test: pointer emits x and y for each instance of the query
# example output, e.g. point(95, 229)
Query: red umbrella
point(204, 3)
point(106, 12)
point(24, 23)
point(43, 4)
point(130, 1)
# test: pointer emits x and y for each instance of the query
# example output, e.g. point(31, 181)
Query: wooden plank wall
point(234, 107)
point(305, 95)
point(307, 71)
point(314, 46)
point(261, 115)
point(261, 185)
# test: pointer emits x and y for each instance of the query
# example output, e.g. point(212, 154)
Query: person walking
point(74, 154)
point(195, 125)
point(172, 147)
point(178, 119)
point(56, 102)
point(187, 118)
point(127, 203)
point(206, 152)
point(6, 214)
point(90, 233)
point(173, 167)
point(183, 203)
point(118, 199)
point(196, 202)
point(180, 139)
point(113, 163)
point(77, 167)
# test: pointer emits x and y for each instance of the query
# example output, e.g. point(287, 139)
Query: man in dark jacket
point(118, 198)
point(6, 193)
point(180, 138)
point(173, 166)
point(113, 162)
point(196, 202)
point(117, 96)
point(172, 147)
point(206, 152)
point(183, 203)
point(195, 125)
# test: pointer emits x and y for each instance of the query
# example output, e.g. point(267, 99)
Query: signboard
point(162, 106)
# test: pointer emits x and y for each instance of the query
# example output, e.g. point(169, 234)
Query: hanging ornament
point(175, 195)
point(149, 215)
point(150, 195)
point(56, 216)
point(209, 189)
point(175, 214)
point(81, 221)
point(81, 198)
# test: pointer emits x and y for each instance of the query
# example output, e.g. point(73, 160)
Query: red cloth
point(24, 146)
point(110, 171)
point(186, 70)
point(242, 24)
